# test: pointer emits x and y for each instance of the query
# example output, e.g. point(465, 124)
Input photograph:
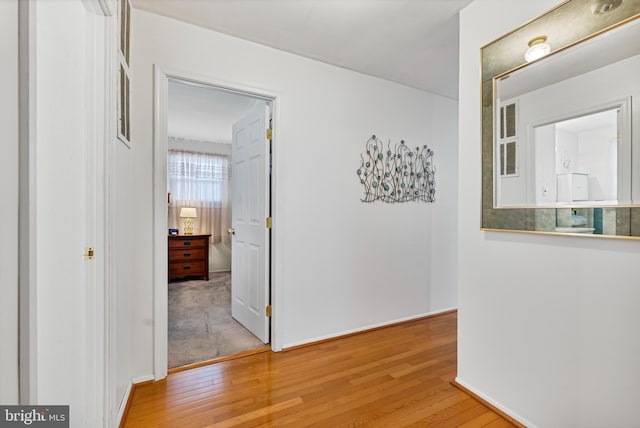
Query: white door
point(249, 211)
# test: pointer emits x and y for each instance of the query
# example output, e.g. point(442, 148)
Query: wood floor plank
point(396, 376)
point(481, 421)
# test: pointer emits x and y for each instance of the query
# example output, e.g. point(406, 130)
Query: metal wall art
point(394, 175)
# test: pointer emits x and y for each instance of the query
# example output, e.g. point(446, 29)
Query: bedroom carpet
point(200, 324)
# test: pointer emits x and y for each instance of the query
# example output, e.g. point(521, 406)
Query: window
point(201, 181)
point(125, 29)
point(124, 77)
point(124, 128)
point(198, 178)
point(508, 121)
point(508, 159)
point(508, 144)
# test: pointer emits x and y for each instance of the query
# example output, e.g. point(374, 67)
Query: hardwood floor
point(395, 376)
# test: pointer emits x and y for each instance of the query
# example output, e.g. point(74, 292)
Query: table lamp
point(188, 213)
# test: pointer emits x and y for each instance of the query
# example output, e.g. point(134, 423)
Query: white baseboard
point(365, 328)
point(497, 405)
point(127, 394)
point(140, 379)
point(123, 404)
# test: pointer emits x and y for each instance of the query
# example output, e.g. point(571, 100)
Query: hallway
point(393, 376)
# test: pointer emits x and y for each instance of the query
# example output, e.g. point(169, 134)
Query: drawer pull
point(186, 267)
point(187, 243)
point(187, 254)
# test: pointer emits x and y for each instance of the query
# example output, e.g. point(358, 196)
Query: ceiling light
point(538, 47)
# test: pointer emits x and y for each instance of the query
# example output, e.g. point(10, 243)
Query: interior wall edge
point(491, 401)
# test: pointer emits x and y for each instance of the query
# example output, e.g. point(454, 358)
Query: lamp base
point(188, 226)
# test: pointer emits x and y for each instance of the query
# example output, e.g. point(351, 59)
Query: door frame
point(162, 75)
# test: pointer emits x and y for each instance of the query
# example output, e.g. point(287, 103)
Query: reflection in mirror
point(543, 171)
point(576, 159)
point(563, 126)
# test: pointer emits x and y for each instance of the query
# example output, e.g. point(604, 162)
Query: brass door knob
point(231, 231)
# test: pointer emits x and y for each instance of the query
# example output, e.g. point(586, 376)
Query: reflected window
point(508, 145)
point(508, 157)
point(508, 121)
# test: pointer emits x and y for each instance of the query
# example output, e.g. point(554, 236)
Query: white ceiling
point(204, 113)
point(603, 120)
point(413, 42)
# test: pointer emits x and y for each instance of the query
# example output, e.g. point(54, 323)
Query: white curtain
point(200, 180)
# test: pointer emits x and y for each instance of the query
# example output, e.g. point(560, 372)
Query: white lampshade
point(187, 212)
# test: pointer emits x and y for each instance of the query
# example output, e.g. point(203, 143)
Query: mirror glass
point(564, 126)
point(561, 134)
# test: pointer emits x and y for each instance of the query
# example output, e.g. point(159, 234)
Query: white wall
point(598, 149)
point(345, 265)
point(9, 198)
point(547, 324)
point(545, 170)
point(567, 143)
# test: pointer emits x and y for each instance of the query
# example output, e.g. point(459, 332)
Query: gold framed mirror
point(543, 169)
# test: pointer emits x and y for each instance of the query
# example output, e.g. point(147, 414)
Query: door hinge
point(89, 253)
point(268, 310)
point(269, 134)
point(269, 222)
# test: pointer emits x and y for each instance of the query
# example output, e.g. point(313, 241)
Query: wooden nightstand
point(188, 256)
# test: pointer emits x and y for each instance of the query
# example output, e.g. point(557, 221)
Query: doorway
point(220, 107)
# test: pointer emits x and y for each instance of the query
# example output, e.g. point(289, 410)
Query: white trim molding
point(162, 76)
point(495, 404)
point(160, 275)
point(98, 7)
point(27, 202)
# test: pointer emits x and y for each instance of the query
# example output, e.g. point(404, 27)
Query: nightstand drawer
point(187, 254)
point(184, 269)
point(195, 242)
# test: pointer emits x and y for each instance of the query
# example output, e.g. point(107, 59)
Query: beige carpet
point(200, 323)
